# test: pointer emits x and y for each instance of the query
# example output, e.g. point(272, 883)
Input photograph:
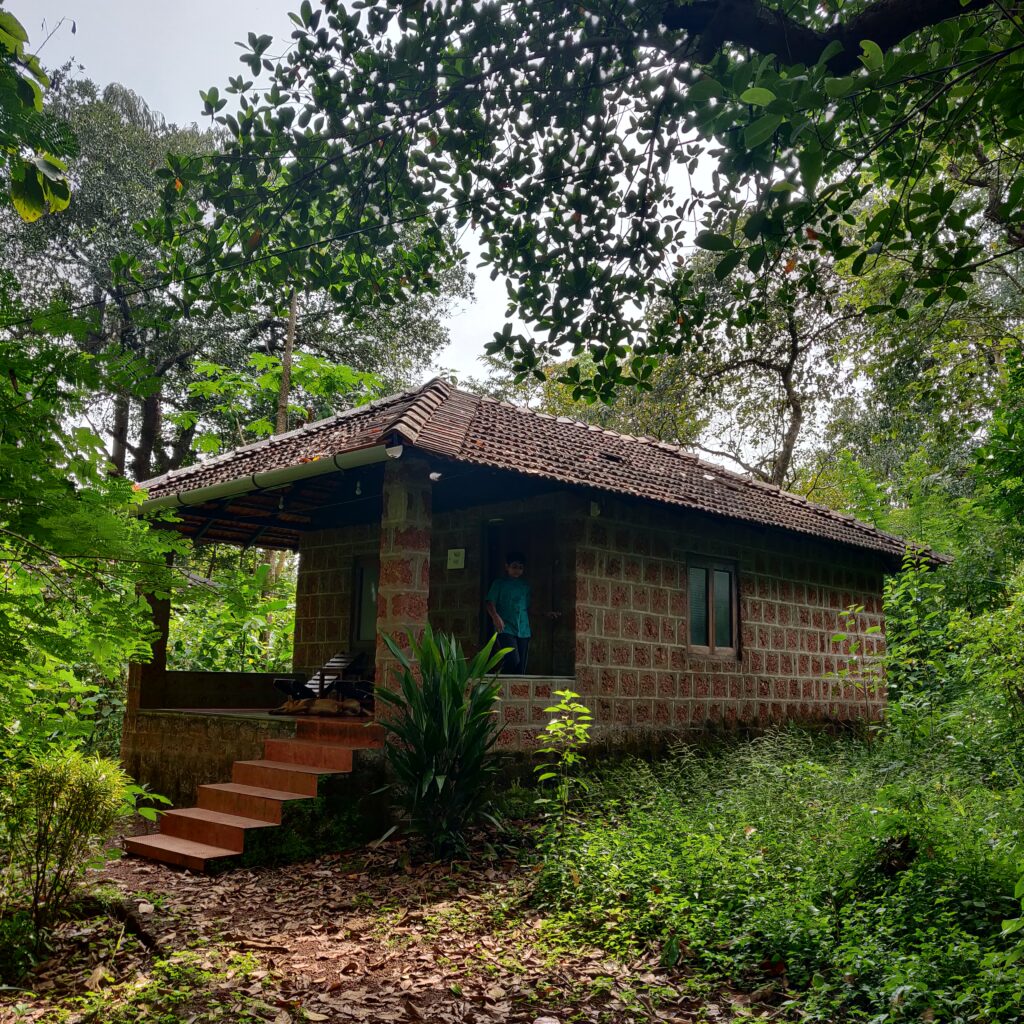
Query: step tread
point(175, 844)
point(291, 766)
point(242, 788)
point(220, 817)
point(312, 744)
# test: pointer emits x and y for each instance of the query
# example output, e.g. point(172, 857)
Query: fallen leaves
point(381, 938)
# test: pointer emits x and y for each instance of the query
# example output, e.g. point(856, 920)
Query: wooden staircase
point(214, 833)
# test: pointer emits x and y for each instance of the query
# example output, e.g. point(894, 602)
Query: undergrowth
point(853, 880)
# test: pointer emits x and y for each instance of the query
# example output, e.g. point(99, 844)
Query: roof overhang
point(273, 478)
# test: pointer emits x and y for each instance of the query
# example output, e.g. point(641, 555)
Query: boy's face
point(515, 569)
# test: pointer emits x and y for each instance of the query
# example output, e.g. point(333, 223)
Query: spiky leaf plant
point(443, 726)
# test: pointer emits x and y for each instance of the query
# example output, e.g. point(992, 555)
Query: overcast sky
point(168, 51)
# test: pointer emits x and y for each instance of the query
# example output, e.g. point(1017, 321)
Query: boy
point(508, 605)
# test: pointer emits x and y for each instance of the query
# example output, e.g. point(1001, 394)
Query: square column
point(404, 585)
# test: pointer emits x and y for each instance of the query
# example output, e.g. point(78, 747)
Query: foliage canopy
point(593, 144)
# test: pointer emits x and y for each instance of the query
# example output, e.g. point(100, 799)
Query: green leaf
point(810, 161)
point(27, 195)
point(833, 49)
point(10, 24)
point(838, 88)
point(713, 241)
point(705, 89)
point(761, 130)
point(757, 96)
point(727, 264)
point(871, 55)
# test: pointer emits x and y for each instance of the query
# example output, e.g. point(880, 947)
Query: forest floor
point(369, 936)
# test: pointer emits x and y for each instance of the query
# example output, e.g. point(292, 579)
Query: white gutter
point(273, 478)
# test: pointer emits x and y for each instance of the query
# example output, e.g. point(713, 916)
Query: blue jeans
point(514, 663)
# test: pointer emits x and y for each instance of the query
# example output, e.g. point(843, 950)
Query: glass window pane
point(698, 596)
point(723, 608)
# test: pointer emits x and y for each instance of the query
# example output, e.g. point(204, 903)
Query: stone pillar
point(404, 560)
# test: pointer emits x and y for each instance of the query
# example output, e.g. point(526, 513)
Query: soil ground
point(371, 936)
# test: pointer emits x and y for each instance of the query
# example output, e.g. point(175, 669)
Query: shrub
point(562, 743)
point(867, 880)
point(443, 728)
point(58, 814)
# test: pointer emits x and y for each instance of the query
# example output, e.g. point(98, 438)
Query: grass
point(838, 878)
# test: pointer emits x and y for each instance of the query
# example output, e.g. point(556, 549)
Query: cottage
point(689, 595)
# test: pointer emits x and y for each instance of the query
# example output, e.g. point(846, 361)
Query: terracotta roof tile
point(441, 420)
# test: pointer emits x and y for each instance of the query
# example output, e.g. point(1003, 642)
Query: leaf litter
point(375, 936)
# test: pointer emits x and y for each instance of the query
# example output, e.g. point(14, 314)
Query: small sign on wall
point(456, 558)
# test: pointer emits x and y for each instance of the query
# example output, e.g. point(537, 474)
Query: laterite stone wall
point(634, 669)
point(405, 533)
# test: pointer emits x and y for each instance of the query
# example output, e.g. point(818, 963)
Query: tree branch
point(770, 31)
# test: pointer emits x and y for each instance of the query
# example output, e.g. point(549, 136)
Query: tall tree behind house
point(152, 419)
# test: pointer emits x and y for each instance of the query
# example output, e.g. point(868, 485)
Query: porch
point(382, 550)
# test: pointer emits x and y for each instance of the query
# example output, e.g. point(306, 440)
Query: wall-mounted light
point(595, 510)
point(359, 487)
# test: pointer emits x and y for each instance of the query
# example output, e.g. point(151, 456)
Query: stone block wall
point(633, 666)
point(626, 635)
point(324, 591)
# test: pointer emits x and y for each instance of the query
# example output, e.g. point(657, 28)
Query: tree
point(73, 557)
point(33, 146)
point(155, 412)
point(592, 144)
point(757, 397)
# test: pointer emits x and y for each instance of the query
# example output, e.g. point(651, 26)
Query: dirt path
point(374, 938)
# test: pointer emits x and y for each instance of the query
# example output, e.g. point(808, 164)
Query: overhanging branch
point(768, 30)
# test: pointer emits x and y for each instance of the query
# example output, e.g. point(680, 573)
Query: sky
point(167, 52)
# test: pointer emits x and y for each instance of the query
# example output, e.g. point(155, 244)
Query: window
point(711, 607)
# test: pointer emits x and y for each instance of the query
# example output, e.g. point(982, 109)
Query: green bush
point(561, 743)
point(443, 727)
point(58, 814)
point(868, 880)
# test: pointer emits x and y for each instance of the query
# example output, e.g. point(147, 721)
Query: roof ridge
point(411, 421)
point(273, 439)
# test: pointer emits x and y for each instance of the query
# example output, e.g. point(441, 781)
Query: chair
point(329, 677)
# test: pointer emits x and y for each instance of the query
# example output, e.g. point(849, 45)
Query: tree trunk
point(149, 433)
point(286, 368)
point(119, 435)
point(181, 447)
point(784, 460)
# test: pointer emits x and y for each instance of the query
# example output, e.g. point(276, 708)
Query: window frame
point(710, 565)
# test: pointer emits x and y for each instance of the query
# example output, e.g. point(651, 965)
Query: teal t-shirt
point(512, 599)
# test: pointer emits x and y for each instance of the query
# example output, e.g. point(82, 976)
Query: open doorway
point(550, 573)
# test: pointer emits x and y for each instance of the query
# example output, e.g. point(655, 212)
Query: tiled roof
point(441, 420)
point(349, 431)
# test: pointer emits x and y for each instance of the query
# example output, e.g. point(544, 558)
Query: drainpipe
point(273, 478)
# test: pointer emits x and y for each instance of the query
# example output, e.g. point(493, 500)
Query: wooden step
point(309, 752)
point(358, 733)
point(201, 825)
point(292, 778)
point(183, 853)
point(246, 801)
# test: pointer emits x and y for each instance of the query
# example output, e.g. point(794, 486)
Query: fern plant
point(443, 726)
